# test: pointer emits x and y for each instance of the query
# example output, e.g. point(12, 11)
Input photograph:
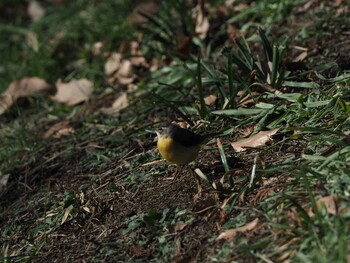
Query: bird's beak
point(155, 138)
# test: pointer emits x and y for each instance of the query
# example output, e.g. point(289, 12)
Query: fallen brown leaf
point(125, 73)
point(229, 235)
point(337, 3)
point(202, 23)
point(35, 10)
point(139, 61)
point(113, 63)
point(302, 55)
point(232, 33)
point(250, 98)
point(210, 100)
point(75, 65)
point(129, 47)
point(97, 48)
point(183, 42)
point(20, 89)
point(240, 7)
point(133, 48)
point(287, 255)
point(155, 64)
point(73, 92)
point(330, 203)
point(120, 103)
point(343, 9)
point(180, 226)
point(87, 209)
point(32, 41)
point(259, 139)
point(136, 250)
point(306, 7)
point(149, 8)
point(66, 214)
point(247, 130)
point(57, 38)
point(58, 130)
point(3, 181)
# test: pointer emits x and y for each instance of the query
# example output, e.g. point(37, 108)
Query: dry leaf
point(232, 33)
point(27, 86)
point(113, 63)
point(202, 24)
point(259, 139)
point(20, 89)
point(125, 69)
point(139, 61)
point(125, 47)
point(125, 73)
point(97, 48)
point(132, 88)
point(287, 255)
point(75, 65)
point(300, 57)
point(330, 203)
point(210, 100)
point(35, 10)
point(344, 9)
point(57, 38)
point(229, 235)
point(58, 130)
point(149, 8)
point(73, 92)
point(247, 131)
point(66, 214)
point(32, 41)
point(229, 2)
point(130, 47)
point(180, 226)
point(337, 3)
point(3, 181)
point(306, 7)
point(183, 42)
point(240, 7)
point(120, 103)
point(136, 250)
point(155, 65)
point(133, 48)
point(87, 209)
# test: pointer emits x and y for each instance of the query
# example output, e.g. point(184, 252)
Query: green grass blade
point(222, 155)
point(267, 46)
point(173, 107)
point(203, 107)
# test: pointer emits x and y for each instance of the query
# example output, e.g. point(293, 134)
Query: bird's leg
point(198, 183)
point(197, 179)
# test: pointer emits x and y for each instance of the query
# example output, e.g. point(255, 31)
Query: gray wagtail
point(178, 145)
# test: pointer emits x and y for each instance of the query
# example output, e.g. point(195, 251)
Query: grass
point(99, 193)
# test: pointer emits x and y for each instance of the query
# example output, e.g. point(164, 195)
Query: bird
point(179, 145)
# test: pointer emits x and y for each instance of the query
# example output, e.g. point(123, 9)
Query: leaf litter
point(259, 139)
point(229, 235)
point(73, 92)
point(20, 89)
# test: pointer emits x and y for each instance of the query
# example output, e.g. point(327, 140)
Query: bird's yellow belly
point(175, 152)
